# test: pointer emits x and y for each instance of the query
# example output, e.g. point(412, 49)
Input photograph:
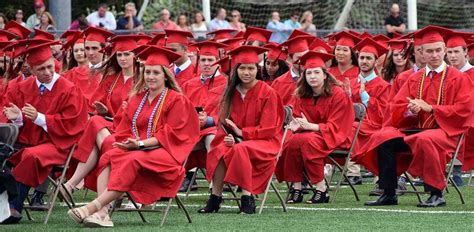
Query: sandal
point(79, 214)
point(319, 197)
point(295, 197)
point(97, 220)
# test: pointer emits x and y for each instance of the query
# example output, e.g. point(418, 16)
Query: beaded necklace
point(154, 117)
point(430, 121)
point(109, 92)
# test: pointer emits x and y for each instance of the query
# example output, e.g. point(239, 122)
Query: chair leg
point(282, 202)
point(413, 186)
point(457, 190)
point(181, 205)
point(265, 194)
point(136, 207)
point(85, 194)
point(470, 178)
point(234, 194)
point(165, 214)
point(193, 178)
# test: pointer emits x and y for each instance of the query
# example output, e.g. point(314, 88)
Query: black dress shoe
point(13, 219)
point(433, 201)
point(296, 196)
point(383, 200)
point(354, 180)
point(319, 197)
point(247, 204)
point(185, 185)
point(213, 205)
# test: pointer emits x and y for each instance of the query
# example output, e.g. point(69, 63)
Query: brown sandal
point(79, 214)
point(97, 220)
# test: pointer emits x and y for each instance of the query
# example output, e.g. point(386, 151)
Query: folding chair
point(450, 166)
point(359, 110)
point(152, 209)
point(194, 178)
point(8, 133)
point(55, 190)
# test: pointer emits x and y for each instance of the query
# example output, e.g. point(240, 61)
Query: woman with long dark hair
point(275, 63)
point(159, 128)
point(396, 61)
point(322, 121)
point(244, 150)
point(75, 51)
point(344, 64)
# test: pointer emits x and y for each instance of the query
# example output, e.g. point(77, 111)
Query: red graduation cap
point(396, 35)
point(155, 55)
point(143, 38)
point(221, 34)
point(140, 48)
point(177, 36)
point(38, 54)
point(432, 34)
point(398, 44)
point(17, 29)
point(381, 38)
point(470, 50)
point(355, 33)
point(6, 36)
point(69, 34)
point(456, 39)
point(298, 44)
point(233, 43)
point(124, 43)
point(257, 34)
point(39, 34)
point(223, 64)
point(246, 54)
point(344, 38)
point(276, 51)
point(365, 35)
point(18, 47)
point(371, 46)
point(97, 34)
point(239, 34)
point(319, 45)
point(159, 39)
point(297, 32)
point(209, 48)
point(313, 59)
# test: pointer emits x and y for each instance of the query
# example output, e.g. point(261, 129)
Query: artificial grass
point(345, 214)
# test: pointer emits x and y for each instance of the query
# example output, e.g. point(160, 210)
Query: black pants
point(387, 161)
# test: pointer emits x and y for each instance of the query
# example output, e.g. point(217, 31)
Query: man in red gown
point(50, 112)
point(183, 68)
point(436, 99)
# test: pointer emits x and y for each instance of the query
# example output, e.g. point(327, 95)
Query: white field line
point(330, 209)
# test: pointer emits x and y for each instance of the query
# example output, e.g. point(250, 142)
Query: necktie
point(42, 88)
point(431, 74)
point(178, 70)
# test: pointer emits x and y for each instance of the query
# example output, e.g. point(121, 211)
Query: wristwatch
point(141, 144)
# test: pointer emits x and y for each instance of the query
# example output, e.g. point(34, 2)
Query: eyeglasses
point(234, 15)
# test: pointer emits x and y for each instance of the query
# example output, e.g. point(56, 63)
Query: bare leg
point(321, 186)
point(246, 193)
point(218, 178)
point(297, 185)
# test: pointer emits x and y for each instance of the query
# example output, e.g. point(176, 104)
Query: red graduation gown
point(307, 150)
point(468, 159)
point(65, 111)
point(82, 77)
point(212, 105)
point(351, 73)
point(199, 94)
point(285, 86)
point(378, 90)
point(430, 149)
point(251, 163)
point(184, 75)
point(151, 175)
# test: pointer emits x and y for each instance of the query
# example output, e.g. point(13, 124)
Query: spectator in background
point(199, 27)
point(165, 22)
point(395, 22)
point(19, 17)
point(219, 21)
point(79, 23)
point(307, 22)
point(183, 23)
point(293, 23)
point(279, 34)
point(34, 19)
point(3, 21)
point(102, 18)
point(46, 22)
point(129, 21)
point(235, 21)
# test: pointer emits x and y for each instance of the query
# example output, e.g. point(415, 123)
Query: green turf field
point(344, 215)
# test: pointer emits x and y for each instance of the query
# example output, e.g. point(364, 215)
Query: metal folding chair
point(194, 178)
point(8, 133)
point(359, 110)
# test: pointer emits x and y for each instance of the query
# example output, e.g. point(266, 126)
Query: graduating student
point(251, 112)
point(344, 65)
point(74, 50)
point(158, 130)
point(178, 41)
point(83, 76)
point(275, 63)
point(51, 112)
point(372, 91)
point(198, 90)
point(396, 60)
point(285, 85)
point(322, 121)
point(436, 99)
point(113, 90)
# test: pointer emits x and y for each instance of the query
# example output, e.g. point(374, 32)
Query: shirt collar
point(415, 68)
point(204, 79)
point(437, 70)
point(466, 67)
point(368, 78)
point(294, 75)
point(49, 85)
point(184, 66)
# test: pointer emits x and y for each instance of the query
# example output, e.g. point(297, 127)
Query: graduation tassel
point(197, 62)
point(408, 55)
point(211, 79)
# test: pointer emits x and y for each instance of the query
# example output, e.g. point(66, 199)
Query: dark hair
point(229, 92)
point(5, 19)
point(110, 67)
point(304, 90)
point(389, 70)
point(282, 68)
point(353, 58)
point(102, 5)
